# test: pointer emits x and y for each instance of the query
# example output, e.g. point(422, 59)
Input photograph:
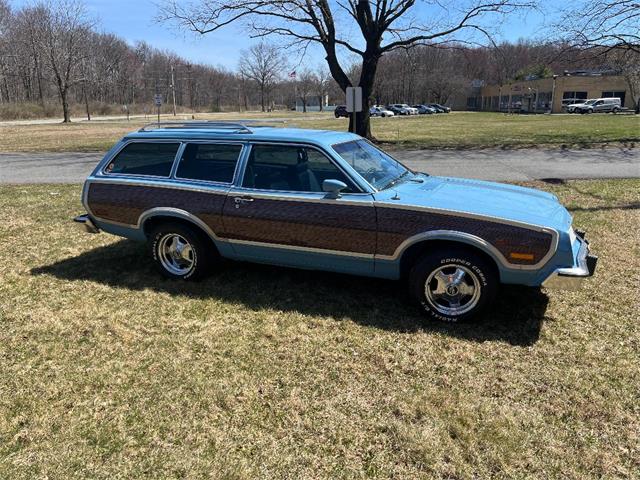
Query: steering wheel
point(371, 172)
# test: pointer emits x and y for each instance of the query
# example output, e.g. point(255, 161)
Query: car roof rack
point(237, 127)
point(189, 125)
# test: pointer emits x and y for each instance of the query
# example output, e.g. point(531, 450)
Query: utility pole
point(553, 93)
point(173, 91)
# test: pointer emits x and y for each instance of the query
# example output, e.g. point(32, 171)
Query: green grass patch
point(455, 130)
point(109, 371)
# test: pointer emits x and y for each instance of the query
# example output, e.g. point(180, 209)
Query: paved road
point(527, 164)
point(490, 164)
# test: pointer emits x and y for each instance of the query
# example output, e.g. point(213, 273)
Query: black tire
point(615, 110)
point(198, 261)
point(480, 282)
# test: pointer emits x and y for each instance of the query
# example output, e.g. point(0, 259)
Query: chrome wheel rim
point(176, 254)
point(452, 290)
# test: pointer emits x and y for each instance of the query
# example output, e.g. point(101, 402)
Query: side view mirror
point(333, 187)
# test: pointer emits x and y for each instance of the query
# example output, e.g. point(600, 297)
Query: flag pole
point(295, 89)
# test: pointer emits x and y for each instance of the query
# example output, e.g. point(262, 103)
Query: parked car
point(378, 111)
point(341, 111)
point(402, 109)
point(439, 108)
point(599, 105)
point(326, 200)
point(424, 110)
point(568, 104)
point(394, 109)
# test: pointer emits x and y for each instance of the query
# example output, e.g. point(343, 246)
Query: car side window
point(290, 168)
point(141, 158)
point(209, 162)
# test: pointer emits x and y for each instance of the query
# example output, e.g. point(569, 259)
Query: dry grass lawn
point(108, 371)
point(456, 130)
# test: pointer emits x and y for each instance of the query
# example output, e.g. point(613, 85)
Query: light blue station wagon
point(198, 192)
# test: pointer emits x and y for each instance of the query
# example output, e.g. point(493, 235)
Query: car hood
point(476, 197)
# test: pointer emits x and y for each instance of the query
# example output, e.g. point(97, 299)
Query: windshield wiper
point(395, 180)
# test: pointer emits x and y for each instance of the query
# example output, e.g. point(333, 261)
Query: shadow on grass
point(573, 187)
point(515, 318)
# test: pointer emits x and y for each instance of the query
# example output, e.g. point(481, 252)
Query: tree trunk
point(367, 79)
point(262, 98)
point(86, 101)
point(65, 106)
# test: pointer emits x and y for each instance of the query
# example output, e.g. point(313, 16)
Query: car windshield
point(375, 166)
point(589, 102)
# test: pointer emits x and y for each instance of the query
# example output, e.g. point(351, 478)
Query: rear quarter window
point(142, 158)
point(209, 162)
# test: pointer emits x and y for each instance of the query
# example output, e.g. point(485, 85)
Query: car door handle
point(240, 200)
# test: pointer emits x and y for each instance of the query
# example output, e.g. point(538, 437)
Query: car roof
point(246, 133)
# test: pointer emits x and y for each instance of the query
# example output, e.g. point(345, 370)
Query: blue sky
point(133, 20)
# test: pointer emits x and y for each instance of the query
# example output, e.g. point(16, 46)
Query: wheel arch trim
point(453, 236)
point(175, 213)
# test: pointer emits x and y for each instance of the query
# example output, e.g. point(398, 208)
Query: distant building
point(313, 104)
point(537, 95)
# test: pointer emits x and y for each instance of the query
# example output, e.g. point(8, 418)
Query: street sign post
point(157, 98)
point(354, 102)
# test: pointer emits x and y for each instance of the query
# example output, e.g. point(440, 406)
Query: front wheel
point(453, 285)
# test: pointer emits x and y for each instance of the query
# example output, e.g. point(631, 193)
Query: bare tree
point(108, 76)
point(601, 24)
point(5, 21)
point(62, 37)
point(627, 63)
point(27, 25)
point(322, 83)
point(305, 87)
point(263, 64)
point(382, 26)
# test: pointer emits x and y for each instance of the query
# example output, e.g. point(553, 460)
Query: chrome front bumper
point(571, 278)
point(86, 224)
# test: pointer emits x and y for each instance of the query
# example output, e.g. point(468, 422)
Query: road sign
point(158, 100)
point(354, 99)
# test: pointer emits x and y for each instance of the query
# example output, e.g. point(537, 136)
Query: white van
point(599, 105)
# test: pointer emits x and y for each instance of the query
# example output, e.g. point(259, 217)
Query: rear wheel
point(615, 110)
point(453, 285)
point(181, 252)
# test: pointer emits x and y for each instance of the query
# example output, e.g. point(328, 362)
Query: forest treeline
point(54, 60)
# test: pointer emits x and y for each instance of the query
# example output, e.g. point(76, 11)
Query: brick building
point(538, 95)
